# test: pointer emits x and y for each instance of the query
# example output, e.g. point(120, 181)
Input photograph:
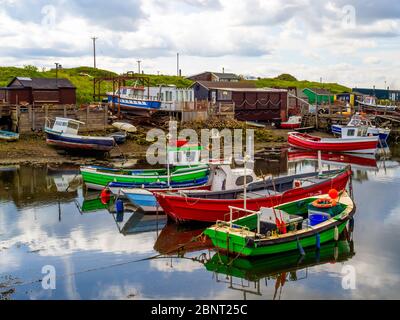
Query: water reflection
point(246, 275)
point(46, 217)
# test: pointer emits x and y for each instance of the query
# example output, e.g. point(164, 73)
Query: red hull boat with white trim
point(210, 207)
point(355, 145)
point(293, 123)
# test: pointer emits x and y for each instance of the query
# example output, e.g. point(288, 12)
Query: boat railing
point(239, 212)
point(136, 97)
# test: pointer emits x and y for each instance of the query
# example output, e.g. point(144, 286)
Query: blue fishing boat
point(9, 136)
point(145, 199)
point(64, 134)
point(133, 100)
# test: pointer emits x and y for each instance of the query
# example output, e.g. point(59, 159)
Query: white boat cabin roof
point(68, 126)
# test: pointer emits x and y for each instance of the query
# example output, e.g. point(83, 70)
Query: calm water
point(98, 255)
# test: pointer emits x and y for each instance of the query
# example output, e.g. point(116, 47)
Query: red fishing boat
point(354, 145)
point(214, 206)
point(293, 123)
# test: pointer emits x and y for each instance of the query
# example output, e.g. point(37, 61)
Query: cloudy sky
point(354, 42)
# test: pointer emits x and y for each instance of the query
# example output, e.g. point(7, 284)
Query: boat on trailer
point(293, 226)
point(133, 100)
point(209, 207)
point(356, 144)
point(9, 136)
point(64, 134)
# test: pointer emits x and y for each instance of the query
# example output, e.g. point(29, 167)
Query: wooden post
point(87, 118)
point(105, 117)
point(33, 119)
point(65, 110)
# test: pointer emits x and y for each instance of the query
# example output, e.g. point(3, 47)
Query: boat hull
point(140, 178)
point(9, 136)
point(184, 209)
point(136, 106)
point(367, 145)
point(290, 126)
point(244, 244)
point(146, 200)
point(79, 142)
point(237, 244)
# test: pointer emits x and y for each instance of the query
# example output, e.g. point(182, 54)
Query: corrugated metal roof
point(226, 85)
point(225, 75)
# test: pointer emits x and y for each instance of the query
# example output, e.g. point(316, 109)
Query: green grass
point(82, 78)
point(276, 83)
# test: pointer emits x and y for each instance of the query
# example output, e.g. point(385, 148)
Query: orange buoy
point(333, 194)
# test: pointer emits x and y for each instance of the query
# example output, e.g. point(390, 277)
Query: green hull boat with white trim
point(292, 226)
point(98, 178)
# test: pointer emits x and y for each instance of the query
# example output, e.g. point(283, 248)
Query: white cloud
point(304, 37)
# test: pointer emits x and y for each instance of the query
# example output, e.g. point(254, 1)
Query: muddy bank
point(33, 150)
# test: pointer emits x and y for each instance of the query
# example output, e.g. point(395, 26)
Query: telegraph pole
point(57, 66)
point(94, 52)
point(139, 62)
point(177, 64)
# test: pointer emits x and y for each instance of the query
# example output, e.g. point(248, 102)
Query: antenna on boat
point(320, 162)
point(169, 137)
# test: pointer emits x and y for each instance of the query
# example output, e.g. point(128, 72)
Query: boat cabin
point(226, 178)
point(131, 92)
point(66, 126)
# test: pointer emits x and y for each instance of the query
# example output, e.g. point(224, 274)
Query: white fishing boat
point(371, 102)
point(360, 126)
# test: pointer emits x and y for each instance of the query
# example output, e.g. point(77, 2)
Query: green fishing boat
point(97, 178)
point(292, 226)
point(184, 169)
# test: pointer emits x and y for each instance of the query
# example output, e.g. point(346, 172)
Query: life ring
point(324, 203)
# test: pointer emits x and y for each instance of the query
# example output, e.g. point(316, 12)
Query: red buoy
point(105, 196)
point(333, 194)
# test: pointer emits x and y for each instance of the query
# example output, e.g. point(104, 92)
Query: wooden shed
point(39, 91)
point(251, 103)
point(319, 96)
